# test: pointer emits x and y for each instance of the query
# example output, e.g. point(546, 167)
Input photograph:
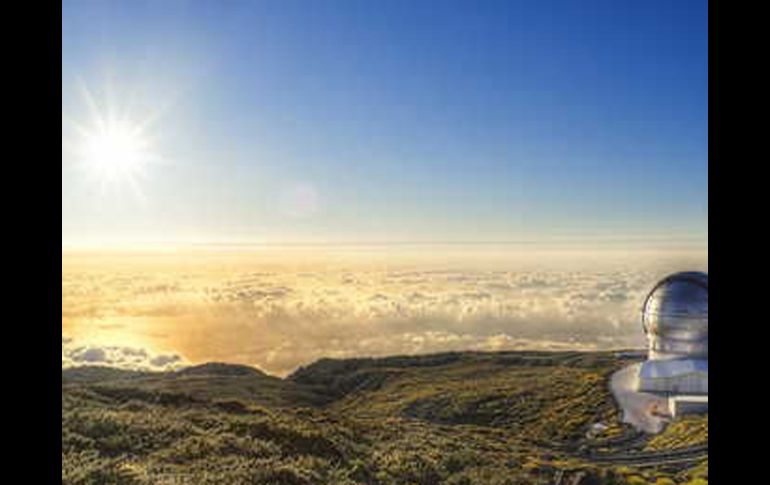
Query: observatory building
point(675, 319)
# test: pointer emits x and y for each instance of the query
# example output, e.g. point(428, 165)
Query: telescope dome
point(675, 317)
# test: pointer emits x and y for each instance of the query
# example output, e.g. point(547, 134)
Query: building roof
point(676, 312)
point(675, 317)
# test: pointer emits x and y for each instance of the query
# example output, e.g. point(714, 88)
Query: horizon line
point(698, 241)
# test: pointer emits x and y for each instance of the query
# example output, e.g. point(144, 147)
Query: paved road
point(654, 458)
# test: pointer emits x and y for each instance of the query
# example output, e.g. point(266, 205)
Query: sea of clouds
point(152, 316)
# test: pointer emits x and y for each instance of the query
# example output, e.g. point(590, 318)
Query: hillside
point(455, 418)
point(212, 381)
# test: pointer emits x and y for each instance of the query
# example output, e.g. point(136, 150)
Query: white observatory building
point(675, 319)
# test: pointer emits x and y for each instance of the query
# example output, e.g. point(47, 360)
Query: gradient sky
point(331, 121)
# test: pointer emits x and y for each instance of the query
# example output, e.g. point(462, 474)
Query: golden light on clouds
point(278, 309)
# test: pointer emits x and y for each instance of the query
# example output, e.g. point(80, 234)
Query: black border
point(32, 235)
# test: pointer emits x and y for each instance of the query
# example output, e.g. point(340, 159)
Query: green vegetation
point(458, 419)
point(688, 431)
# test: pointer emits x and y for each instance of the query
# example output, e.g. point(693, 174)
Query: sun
point(113, 147)
point(116, 151)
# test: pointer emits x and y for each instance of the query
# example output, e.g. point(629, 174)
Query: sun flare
point(116, 151)
point(112, 144)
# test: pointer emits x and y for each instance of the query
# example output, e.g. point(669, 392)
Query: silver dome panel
point(675, 317)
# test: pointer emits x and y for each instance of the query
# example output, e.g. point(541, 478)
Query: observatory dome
point(675, 317)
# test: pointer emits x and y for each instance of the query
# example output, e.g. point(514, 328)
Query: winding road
point(653, 458)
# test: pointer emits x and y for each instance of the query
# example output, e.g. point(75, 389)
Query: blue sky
point(393, 121)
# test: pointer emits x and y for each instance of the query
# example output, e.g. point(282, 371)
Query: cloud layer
point(278, 317)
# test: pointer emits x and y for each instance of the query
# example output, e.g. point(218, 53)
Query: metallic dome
point(675, 317)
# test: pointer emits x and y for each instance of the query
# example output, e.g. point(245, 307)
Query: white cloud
point(74, 354)
point(280, 318)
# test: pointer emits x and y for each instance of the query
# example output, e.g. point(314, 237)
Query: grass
point(687, 431)
point(460, 418)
